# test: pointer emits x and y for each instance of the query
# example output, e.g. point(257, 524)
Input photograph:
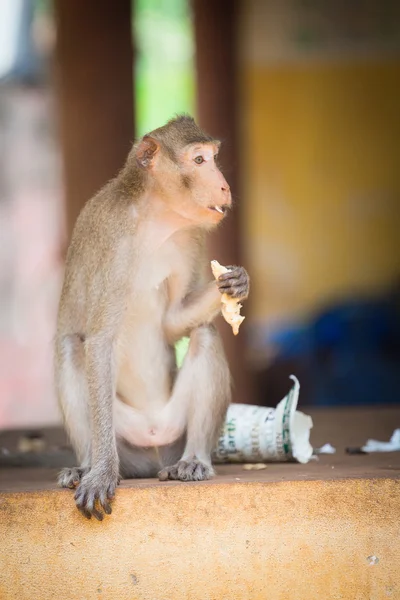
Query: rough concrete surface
point(328, 530)
point(305, 540)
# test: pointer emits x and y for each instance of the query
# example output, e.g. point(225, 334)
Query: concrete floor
point(328, 468)
point(340, 427)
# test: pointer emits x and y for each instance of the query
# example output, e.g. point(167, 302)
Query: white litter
point(377, 446)
point(325, 449)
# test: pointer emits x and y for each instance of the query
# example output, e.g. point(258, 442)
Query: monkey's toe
point(187, 470)
point(94, 495)
point(70, 478)
point(168, 473)
point(194, 470)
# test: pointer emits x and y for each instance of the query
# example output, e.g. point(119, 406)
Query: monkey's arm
point(105, 291)
point(101, 382)
point(202, 303)
point(100, 483)
point(198, 307)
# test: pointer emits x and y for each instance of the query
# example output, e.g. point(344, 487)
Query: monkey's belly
point(148, 428)
point(145, 363)
point(146, 413)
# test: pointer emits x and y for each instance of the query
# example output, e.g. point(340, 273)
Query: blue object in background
point(349, 354)
point(356, 353)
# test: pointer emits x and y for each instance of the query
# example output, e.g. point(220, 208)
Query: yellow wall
point(321, 142)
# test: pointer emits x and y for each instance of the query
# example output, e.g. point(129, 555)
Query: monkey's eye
point(199, 160)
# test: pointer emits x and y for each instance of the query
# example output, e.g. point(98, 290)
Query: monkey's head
point(179, 162)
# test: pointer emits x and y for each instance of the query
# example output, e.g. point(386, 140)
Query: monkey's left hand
point(234, 283)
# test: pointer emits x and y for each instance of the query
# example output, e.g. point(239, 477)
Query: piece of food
point(230, 306)
point(254, 467)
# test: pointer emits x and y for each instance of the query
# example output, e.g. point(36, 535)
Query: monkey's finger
point(163, 475)
point(89, 513)
point(185, 470)
point(80, 496)
point(239, 280)
point(104, 504)
point(84, 505)
point(84, 512)
point(235, 290)
point(111, 492)
point(238, 273)
point(107, 508)
point(97, 514)
point(225, 289)
point(74, 483)
point(230, 274)
point(201, 473)
point(169, 473)
point(91, 508)
point(241, 290)
point(226, 285)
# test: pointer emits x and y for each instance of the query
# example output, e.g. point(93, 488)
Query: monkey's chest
point(144, 360)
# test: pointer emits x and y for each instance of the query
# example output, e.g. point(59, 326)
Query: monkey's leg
point(97, 487)
point(73, 400)
point(204, 379)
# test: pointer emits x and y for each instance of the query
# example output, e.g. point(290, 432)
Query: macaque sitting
point(137, 280)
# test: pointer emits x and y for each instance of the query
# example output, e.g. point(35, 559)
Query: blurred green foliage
point(164, 69)
point(165, 79)
point(43, 6)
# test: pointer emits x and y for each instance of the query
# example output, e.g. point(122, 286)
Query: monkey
point(136, 281)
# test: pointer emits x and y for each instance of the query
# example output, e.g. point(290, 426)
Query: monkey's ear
point(146, 151)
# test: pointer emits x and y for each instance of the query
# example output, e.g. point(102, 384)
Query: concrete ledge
point(238, 540)
point(290, 532)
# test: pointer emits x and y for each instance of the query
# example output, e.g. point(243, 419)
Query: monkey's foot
point(96, 489)
point(70, 478)
point(187, 470)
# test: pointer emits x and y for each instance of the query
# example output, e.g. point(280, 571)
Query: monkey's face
point(200, 191)
point(208, 189)
point(187, 178)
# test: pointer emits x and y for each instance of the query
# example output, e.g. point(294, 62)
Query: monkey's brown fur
point(136, 281)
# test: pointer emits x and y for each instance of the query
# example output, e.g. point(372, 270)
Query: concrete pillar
point(217, 109)
point(94, 71)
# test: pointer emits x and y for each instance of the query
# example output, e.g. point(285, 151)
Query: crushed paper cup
point(258, 434)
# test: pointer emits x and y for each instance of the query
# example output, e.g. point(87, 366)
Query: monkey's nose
point(226, 190)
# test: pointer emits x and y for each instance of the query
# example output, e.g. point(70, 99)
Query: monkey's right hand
point(235, 282)
point(97, 488)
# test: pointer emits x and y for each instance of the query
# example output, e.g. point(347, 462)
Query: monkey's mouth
point(218, 208)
